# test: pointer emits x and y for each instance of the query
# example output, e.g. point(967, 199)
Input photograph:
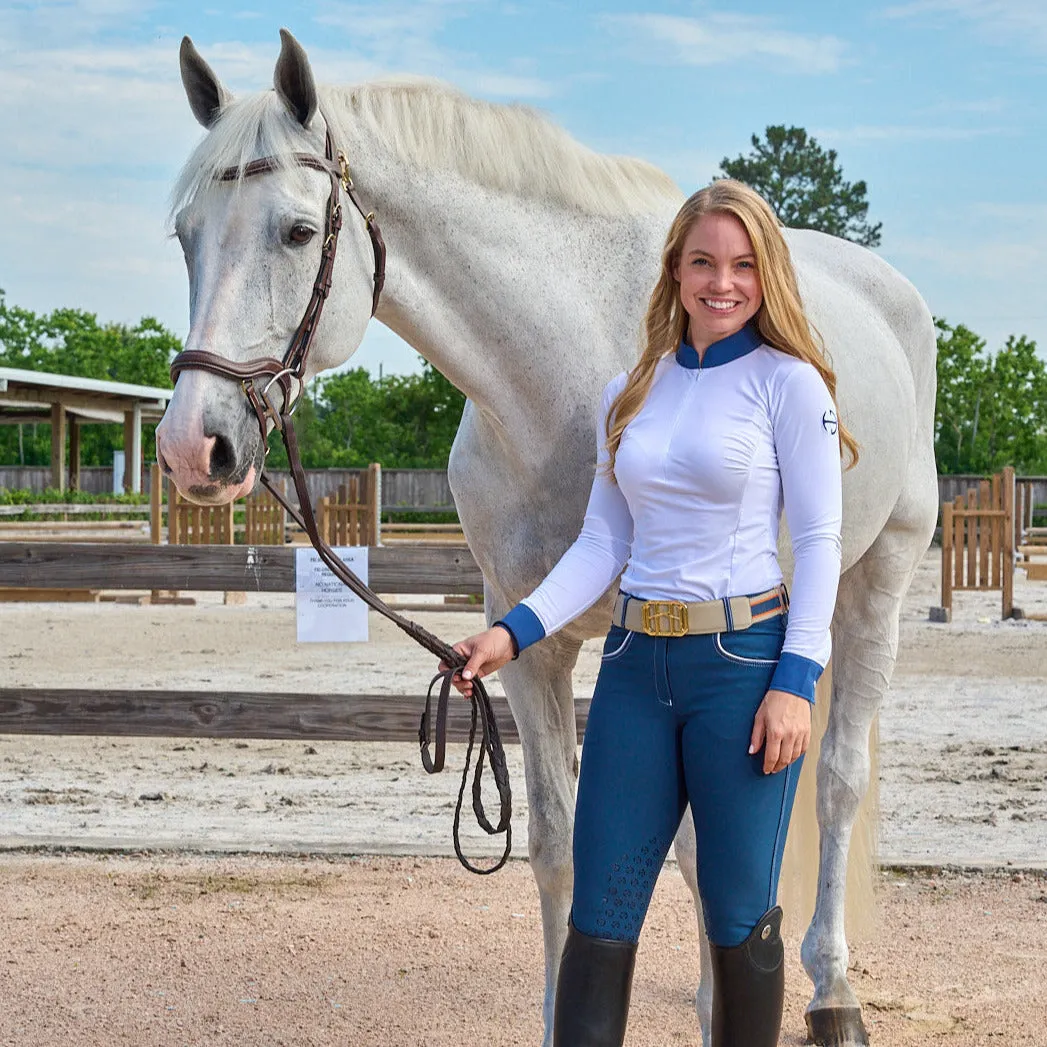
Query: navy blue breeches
point(670, 723)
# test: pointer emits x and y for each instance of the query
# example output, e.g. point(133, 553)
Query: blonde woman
point(708, 675)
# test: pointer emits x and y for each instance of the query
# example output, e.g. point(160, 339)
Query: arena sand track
point(256, 951)
point(401, 952)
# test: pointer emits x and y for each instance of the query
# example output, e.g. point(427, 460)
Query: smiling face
point(719, 284)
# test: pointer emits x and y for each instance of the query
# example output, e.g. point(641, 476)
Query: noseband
point(289, 375)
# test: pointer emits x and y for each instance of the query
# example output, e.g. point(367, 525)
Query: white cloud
point(69, 22)
point(982, 275)
point(996, 260)
point(403, 37)
point(1020, 21)
point(505, 85)
point(115, 107)
point(96, 126)
point(1023, 213)
point(975, 106)
point(688, 166)
point(903, 133)
point(718, 39)
point(105, 251)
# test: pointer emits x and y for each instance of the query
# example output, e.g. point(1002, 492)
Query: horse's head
point(253, 239)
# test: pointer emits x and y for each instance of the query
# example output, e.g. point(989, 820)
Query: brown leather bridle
point(289, 375)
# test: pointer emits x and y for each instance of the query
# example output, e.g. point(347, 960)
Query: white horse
point(519, 265)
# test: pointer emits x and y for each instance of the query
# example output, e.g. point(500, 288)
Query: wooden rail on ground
point(978, 542)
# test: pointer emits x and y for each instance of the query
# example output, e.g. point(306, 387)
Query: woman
point(708, 675)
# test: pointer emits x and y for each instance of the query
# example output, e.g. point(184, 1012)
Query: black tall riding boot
point(749, 987)
point(592, 991)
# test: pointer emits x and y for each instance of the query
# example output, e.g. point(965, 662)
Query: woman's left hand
point(783, 728)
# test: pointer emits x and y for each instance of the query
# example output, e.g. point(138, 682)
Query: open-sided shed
point(66, 402)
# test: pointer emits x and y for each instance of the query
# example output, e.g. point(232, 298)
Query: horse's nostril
point(223, 459)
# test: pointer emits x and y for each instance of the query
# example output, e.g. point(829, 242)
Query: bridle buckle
point(343, 171)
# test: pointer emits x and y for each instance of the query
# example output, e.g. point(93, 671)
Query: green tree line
point(991, 407)
point(345, 420)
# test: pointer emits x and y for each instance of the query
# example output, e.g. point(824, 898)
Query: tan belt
point(674, 618)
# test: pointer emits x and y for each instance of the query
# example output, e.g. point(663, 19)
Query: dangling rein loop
point(482, 714)
point(490, 743)
point(289, 375)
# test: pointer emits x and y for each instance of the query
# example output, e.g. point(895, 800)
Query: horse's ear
point(207, 97)
point(293, 79)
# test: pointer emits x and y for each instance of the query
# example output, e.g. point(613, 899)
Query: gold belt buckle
point(664, 618)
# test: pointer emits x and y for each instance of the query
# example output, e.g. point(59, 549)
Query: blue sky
point(939, 105)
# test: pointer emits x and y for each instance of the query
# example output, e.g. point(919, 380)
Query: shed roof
point(23, 393)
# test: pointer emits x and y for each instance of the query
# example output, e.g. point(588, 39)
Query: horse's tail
point(799, 881)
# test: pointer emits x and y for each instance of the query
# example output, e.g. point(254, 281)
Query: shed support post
point(58, 424)
point(133, 450)
point(74, 454)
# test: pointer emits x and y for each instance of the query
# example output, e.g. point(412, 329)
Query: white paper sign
point(327, 611)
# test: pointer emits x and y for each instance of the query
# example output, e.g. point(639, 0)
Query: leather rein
point(288, 375)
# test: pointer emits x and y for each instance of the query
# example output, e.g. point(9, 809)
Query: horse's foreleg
point(538, 687)
point(686, 856)
point(865, 644)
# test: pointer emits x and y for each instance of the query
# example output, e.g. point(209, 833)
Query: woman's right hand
point(486, 653)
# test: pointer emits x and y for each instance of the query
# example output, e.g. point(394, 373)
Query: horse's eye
point(300, 234)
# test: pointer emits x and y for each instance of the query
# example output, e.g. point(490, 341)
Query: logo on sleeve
point(829, 423)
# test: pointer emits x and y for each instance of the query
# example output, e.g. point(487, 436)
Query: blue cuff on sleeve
point(523, 623)
point(796, 675)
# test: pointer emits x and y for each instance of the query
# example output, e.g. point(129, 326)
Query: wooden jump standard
point(978, 542)
point(315, 717)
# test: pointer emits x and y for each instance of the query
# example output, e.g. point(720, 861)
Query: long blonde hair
point(780, 320)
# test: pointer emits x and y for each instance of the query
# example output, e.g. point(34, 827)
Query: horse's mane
point(506, 148)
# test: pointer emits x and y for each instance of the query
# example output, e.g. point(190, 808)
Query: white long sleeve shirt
point(703, 472)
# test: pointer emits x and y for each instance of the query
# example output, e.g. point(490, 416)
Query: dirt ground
point(402, 947)
point(400, 952)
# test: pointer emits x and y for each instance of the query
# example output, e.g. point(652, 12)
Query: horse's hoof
point(837, 1027)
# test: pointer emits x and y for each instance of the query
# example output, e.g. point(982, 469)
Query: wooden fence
point(192, 524)
point(402, 490)
point(265, 519)
point(352, 515)
point(407, 490)
point(405, 569)
point(979, 532)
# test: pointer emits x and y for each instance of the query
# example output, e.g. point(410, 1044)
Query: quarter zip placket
point(684, 403)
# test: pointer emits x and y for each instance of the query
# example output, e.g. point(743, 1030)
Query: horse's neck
point(524, 306)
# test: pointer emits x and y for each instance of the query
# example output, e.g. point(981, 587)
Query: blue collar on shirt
point(721, 352)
